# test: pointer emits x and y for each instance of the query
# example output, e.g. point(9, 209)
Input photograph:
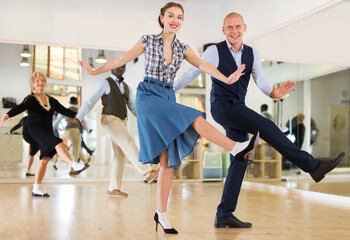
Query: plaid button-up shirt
point(155, 63)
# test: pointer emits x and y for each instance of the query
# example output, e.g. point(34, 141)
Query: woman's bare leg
point(164, 182)
point(40, 171)
point(55, 159)
point(208, 131)
point(30, 162)
point(165, 178)
point(63, 153)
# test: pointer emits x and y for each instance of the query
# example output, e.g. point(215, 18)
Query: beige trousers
point(74, 136)
point(124, 148)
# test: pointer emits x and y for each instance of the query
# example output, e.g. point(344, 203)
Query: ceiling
point(322, 37)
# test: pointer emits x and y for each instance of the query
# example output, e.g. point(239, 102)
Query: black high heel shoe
point(242, 156)
point(166, 230)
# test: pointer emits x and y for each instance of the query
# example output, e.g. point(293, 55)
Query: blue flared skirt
point(164, 124)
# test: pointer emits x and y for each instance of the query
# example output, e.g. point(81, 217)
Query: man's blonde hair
point(233, 14)
point(301, 117)
point(34, 76)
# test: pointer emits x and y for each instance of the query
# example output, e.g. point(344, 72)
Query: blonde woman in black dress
point(40, 108)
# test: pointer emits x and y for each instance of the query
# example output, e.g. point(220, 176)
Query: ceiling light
point(101, 58)
point(24, 62)
point(25, 52)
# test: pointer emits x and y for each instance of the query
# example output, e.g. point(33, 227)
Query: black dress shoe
point(326, 165)
point(91, 152)
point(30, 174)
point(84, 168)
point(254, 142)
point(40, 195)
point(230, 222)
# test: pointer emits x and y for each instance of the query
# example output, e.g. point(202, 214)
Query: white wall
point(118, 24)
point(327, 92)
point(107, 24)
point(306, 40)
point(13, 78)
point(261, 16)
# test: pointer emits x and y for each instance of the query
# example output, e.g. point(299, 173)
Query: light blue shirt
point(211, 55)
point(60, 117)
point(103, 88)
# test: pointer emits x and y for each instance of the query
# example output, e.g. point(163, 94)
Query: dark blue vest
point(227, 66)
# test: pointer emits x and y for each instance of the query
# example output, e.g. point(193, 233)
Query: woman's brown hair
point(167, 6)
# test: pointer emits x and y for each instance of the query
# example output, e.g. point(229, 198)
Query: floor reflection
point(336, 183)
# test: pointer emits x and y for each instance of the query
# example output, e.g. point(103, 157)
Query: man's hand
point(74, 120)
point(283, 90)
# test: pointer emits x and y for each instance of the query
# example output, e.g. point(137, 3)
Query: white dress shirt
point(57, 120)
point(103, 88)
point(211, 55)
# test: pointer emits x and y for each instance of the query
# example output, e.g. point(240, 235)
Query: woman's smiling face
point(172, 19)
point(39, 84)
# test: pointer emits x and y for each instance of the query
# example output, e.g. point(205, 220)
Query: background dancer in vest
point(116, 95)
point(168, 131)
point(73, 133)
point(229, 110)
point(33, 145)
point(40, 108)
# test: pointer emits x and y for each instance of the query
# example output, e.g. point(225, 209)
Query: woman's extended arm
point(208, 68)
point(116, 62)
point(16, 110)
point(61, 109)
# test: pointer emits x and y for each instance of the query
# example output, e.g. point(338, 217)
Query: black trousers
point(239, 120)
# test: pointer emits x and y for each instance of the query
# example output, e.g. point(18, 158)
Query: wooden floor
point(84, 211)
point(337, 184)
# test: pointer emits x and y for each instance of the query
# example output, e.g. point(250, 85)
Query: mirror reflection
point(315, 117)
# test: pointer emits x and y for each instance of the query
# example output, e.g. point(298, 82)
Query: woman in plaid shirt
point(168, 131)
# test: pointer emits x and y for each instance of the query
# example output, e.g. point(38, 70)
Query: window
point(63, 93)
point(41, 58)
point(58, 62)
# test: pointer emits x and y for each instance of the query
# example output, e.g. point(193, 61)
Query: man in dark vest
point(72, 132)
point(229, 110)
point(116, 95)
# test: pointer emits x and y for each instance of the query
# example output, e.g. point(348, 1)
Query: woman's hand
point(87, 67)
point(236, 75)
point(4, 119)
